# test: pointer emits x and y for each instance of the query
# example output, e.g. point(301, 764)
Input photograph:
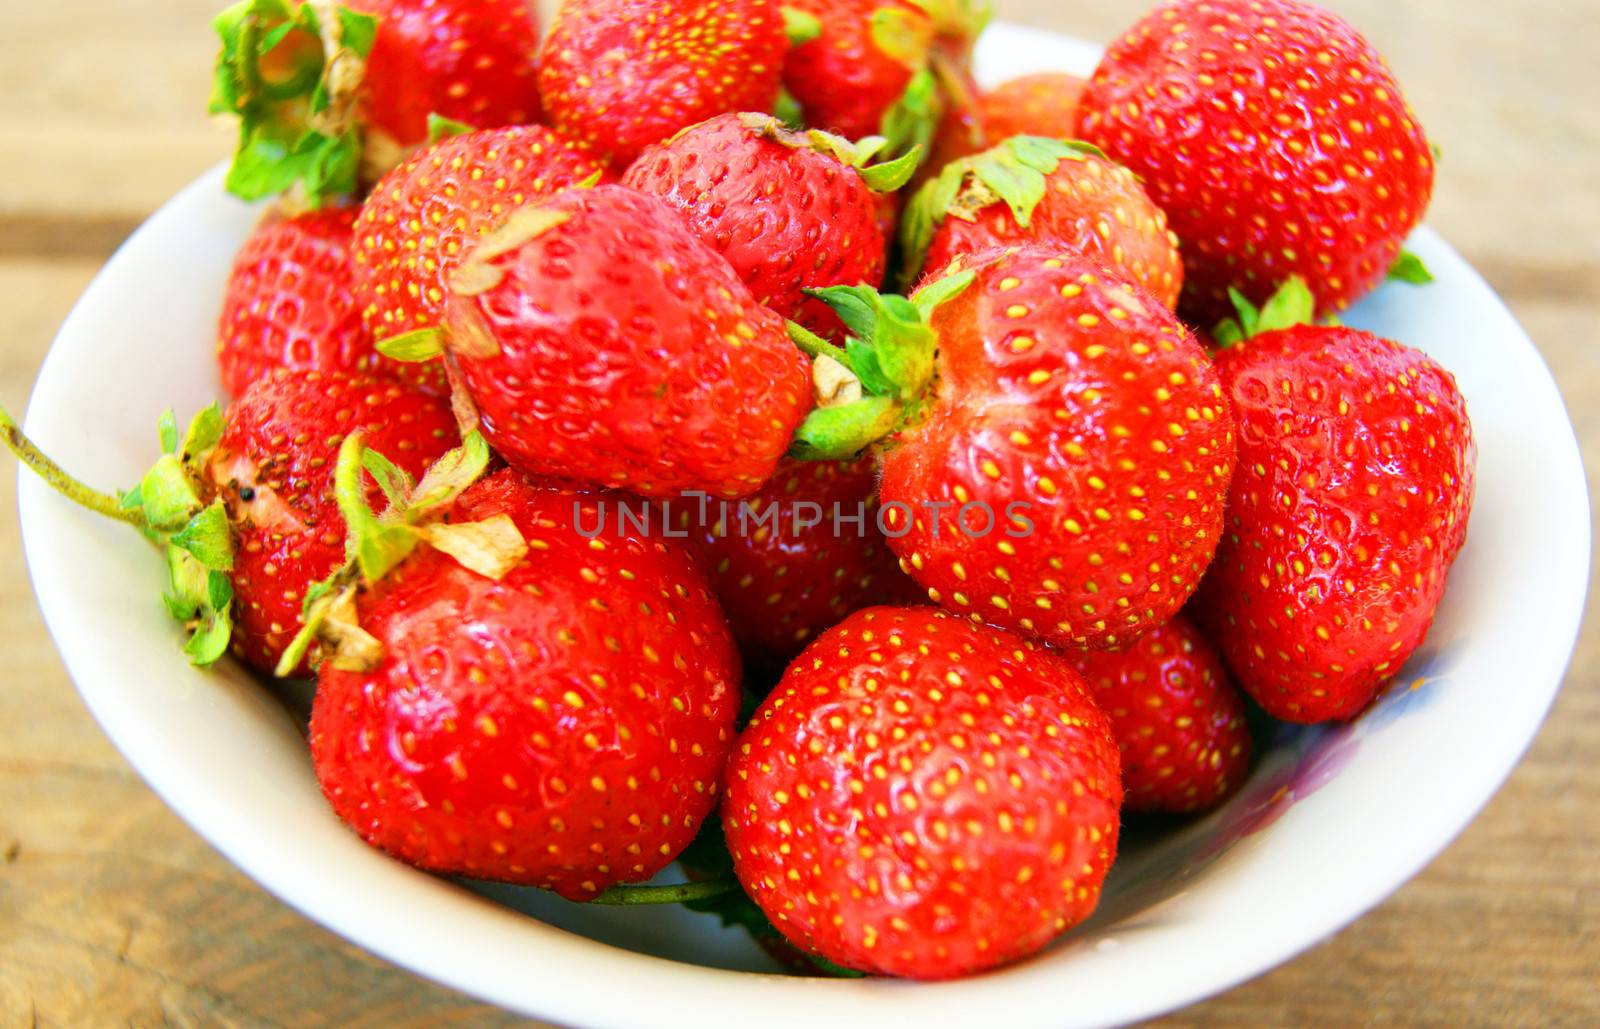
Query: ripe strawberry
point(560, 722)
point(1356, 476)
point(1178, 720)
point(924, 797)
point(601, 341)
point(422, 219)
point(1059, 446)
point(1034, 190)
point(856, 62)
point(798, 556)
point(290, 302)
point(1032, 105)
point(329, 97)
point(273, 469)
point(790, 211)
point(1275, 138)
point(623, 74)
point(470, 61)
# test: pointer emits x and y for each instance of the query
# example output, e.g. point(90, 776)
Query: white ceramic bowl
point(1331, 821)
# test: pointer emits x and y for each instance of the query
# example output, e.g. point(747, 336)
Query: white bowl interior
point(1331, 821)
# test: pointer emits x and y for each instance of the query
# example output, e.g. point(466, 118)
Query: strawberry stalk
point(60, 480)
point(167, 508)
point(635, 895)
point(1291, 305)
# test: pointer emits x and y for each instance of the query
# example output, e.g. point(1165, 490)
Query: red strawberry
point(790, 211)
point(1178, 720)
point(562, 725)
point(1032, 105)
point(856, 62)
point(924, 797)
point(1034, 190)
point(800, 555)
point(273, 468)
point(329, 97)
point(1356, 475)
point(1276, 140)
point(290, 302)
point(471, 61)
point(1059, 449)
point(623, 74)
point(601, 341)
point(422, 219)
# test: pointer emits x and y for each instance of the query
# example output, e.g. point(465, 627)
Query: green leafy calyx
point(800, 26)
point(293, 78)
point(375, 543)
point(1291, 305)
point(1014, 173)
point(884, 177)
point(879, 381)
point(1408, 268)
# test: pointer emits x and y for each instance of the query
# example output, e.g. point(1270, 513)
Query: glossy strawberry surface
point(1032, 105)
point(786, 216)
point(471, 61)
point(606, 343)
point(563, 727)
point(1355, 482)
point(924, 797)
point(1276, 139)
point(1178, 719)
point(623, 74)
point(274, 469)
point(800, 555)
point(290, 302)
point(849, 77)
point(1084, 433)
point(420, 221)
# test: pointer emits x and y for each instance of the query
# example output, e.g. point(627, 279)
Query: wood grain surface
point(113, 913)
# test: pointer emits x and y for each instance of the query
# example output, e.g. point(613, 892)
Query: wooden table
point(111, 911)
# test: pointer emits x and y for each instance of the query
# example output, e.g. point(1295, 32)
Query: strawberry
point(798, 556)
point(924, 797)
point(241, 504)
point(470, 61)
point(1058, 446)
point(419, 223)
point(329, 97)
point(516, 699)
point(1032, 105)
point(273, 469)
point(859, 64)
point(623, 74)
point(1030, 189)
point(1356, 476)
point(1275, 138)
point(788, 210)
point(290, 302)
point(601, 341)
point(1178, 720)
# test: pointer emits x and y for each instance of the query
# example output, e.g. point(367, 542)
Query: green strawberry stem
point(631, 895)
point(167, 509)
point(60, 481)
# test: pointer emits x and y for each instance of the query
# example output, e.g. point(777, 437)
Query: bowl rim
point(652, 982)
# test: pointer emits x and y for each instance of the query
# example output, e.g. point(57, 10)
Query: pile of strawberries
point(574, 421)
